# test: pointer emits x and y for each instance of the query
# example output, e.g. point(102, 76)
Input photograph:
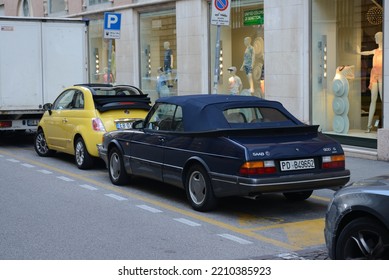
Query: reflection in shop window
point(158, 53)
point(349, 101)
point(99, 53)
point(242, 50)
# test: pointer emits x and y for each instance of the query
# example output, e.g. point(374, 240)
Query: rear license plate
point(297, 164)
point(124, 125)
point(32, 122)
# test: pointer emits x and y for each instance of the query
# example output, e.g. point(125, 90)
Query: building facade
point(323, 59)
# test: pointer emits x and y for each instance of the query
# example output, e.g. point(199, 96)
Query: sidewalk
point(366, 167)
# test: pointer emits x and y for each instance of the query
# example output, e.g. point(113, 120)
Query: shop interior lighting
point(322, 79)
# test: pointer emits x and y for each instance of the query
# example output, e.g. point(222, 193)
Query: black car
point(222, 145)
point(357, 221)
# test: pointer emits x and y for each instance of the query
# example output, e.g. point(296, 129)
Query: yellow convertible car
point(81, 114)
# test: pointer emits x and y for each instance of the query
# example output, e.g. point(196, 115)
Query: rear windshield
point(254, 115)
point(112, 98)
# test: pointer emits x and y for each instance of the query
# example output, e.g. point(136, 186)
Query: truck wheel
point(83, 159)
point(199, 189)
point(116, 170)
point(40, 145)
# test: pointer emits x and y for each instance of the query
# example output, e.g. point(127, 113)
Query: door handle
point(65, 120)
point(161, 139)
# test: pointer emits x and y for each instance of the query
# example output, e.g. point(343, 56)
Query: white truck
point(39, 57)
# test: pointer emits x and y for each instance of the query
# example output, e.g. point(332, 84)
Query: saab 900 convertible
point(217, 146)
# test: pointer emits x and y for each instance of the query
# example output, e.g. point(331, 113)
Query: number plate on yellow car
point(298, 164)
point(124, 125)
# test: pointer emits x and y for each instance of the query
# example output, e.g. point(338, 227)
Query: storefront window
point(158, 53)
point(101, 69)
point(347, 67)
point(241, 53)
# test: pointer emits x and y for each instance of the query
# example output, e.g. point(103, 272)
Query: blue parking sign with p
point(112, 21)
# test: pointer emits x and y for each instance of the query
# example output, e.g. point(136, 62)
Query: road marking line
point(63, 178)
point(13, 160)
point(45, 171)
point(28, 165)
point(117, 197)
point(235, 238)
point(88, 187)
point(166, 206)
point(187, 222)
point(150, 209)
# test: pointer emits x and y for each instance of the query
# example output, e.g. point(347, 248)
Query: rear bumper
point(242, 186)
point(102, 153)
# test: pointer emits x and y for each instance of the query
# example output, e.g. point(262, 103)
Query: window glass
point(347, 67)
point(158, 59)
point(94, 2)
point(166, 117)
point(56, 6)
point(241, 53)
point(254, 115)
point(99, 53)
point(65, 100)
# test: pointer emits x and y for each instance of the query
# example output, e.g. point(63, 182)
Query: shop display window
point(101, 69)
point(241, 52)
point(158, 49)
point(347, 38)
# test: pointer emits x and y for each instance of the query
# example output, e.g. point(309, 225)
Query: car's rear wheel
point(116, 170)
point(364, 239)
point(297, 196)
point(199, 189)
point(40, 145)
point(83, 159)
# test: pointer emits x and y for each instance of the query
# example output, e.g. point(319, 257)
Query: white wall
point(287, 55)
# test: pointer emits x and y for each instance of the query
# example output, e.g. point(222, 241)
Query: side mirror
point(47, 107)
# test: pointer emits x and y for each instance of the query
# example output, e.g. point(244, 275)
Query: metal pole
point(217, 61)
point(109, 61)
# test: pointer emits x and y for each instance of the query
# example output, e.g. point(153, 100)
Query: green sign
point(253, 17)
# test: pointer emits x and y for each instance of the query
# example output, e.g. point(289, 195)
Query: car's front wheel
point(83, 159)
point(298, 196)
point(116, 170)
point(363, 239)
point(199, 189)
point(40, 145)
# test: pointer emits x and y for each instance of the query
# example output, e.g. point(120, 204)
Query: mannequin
point(168, 62)
point(234, 82)
point(248, 63)
point(375, 77)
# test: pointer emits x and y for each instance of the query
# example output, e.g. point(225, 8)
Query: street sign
point(220, 12)
point(112, 25)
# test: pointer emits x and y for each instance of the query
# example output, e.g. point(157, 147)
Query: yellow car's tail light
point(258, 167)
point(98, 125)
point(336, 161)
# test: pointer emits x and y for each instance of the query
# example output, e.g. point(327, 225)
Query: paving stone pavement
point(307, 254)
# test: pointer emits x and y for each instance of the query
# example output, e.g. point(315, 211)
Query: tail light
point(5, 123)
point(258, 167)
point(98, 125)
point(336, 161)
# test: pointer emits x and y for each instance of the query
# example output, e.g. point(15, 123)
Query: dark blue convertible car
point(217, 146)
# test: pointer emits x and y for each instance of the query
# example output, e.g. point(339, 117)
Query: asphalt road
point(49, 209)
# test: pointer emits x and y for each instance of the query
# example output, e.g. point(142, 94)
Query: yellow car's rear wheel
point(83, 159)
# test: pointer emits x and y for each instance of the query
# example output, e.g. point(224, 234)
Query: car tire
point(40, 145)
point(116, 170)
point(83, 159)
point(297, 196)
point(363, 238)
point(199, 189)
